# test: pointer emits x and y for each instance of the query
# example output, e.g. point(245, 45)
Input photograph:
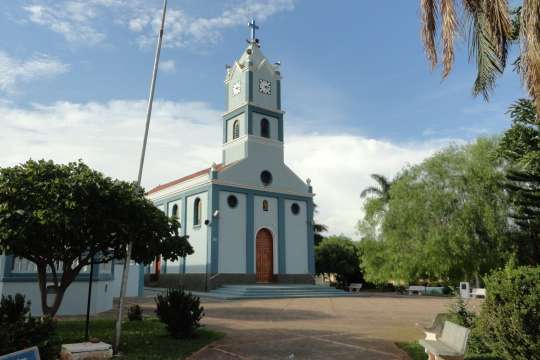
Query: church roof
point(219, 167)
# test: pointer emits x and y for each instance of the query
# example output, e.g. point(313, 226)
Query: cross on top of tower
point(253, 27)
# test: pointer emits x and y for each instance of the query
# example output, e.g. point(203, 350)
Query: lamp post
point(125, 269)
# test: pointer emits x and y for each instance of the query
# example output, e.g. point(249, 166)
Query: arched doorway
point(265, 256)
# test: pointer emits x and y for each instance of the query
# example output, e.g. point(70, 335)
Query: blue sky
point(353, 71)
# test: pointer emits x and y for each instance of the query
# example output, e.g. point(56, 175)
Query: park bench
point(435, 330)
point(416, 289)
point(355, 287)
point(478, 292)
point(451, 345)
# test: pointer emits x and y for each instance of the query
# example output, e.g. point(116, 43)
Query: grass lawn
point(416, 352)
point(146, 339)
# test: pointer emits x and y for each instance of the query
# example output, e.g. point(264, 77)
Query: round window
point(295, 208)
point(232, 201)
point(266, 177)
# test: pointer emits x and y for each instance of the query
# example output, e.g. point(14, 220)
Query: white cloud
point(168, 66)
point(76, 19)
point(72, 19)
point(185, 137)
point(14, 71)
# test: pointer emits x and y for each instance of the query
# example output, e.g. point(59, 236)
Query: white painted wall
point(235, 101)
point(74, 302)
point(266, 219)
point(133, 280)
point(232, 234)
point(296, 253)
point(198, 235)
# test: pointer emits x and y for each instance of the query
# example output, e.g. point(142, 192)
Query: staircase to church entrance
point(275, 291)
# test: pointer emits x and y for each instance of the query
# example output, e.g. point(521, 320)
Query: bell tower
point(253, 120)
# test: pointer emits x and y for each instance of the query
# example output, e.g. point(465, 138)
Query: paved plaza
point(365, 326)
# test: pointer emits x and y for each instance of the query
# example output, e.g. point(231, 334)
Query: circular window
point(232, 201)
point(266, 177)
point(295, 209)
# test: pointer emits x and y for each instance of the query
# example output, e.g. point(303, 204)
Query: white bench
point(416, 289)
point(355, 287)
point(478, 292)
point(451, 345)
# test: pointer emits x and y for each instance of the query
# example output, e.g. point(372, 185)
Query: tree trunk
point(59, 291)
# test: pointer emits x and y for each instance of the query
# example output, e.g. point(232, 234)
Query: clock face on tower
point(236, 88)
point(265, 87)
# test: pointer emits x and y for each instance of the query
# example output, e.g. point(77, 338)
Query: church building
point(250, 217)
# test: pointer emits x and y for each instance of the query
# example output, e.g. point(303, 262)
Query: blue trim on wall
point(310, 240)
point(250, 86)
point(183, 229)
point(250, 236)
point(281, 236)
point(278, 93)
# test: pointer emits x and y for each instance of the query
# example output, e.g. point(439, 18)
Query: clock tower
point(253, 121)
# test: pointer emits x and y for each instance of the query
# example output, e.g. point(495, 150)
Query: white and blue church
point(250, 217)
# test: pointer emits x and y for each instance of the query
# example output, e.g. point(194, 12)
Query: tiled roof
point(182, 179)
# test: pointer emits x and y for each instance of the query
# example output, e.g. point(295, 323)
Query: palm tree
point(492, 28)
point(382, 191)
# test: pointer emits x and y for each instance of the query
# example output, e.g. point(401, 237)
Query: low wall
point(202, 282)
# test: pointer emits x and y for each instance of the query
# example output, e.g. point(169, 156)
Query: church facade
point(249, 218)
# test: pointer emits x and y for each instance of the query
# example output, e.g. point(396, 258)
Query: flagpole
point(125, 270)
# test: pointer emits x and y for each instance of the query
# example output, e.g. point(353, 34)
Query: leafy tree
point(338, 255)
point(446, 219)
point(492, 28)
point(318, 229)
point(520, 146)
point(58, 215)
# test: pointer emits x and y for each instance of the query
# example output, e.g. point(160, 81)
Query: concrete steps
point(275, 291)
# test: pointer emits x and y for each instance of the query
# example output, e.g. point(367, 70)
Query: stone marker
point(86, 351)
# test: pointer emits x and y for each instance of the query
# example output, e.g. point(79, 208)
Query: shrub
point(135, 313)
point(180, 311)
point(19, 330)
point(510, 315)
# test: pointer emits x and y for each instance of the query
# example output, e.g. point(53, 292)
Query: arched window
point(174, 212)
point(236, 130)
point(197, 211)
point(265, 205)
point(265, 128)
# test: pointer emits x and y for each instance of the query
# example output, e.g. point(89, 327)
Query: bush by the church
point(510, 316)
point(19, 330)
point(181, 312)
point(135, 313)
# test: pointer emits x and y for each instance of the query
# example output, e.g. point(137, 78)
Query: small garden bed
point(146, 339)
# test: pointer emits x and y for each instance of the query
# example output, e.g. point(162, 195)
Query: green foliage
point(141, 340)
point(135, 313)
point(339, 255)
point(55, 214)
point(445, 220)
point(460, 314)
point(180, 311)
point(19, 330)
point(520, 147)
point(510, 315)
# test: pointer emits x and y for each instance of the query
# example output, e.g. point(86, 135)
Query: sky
point(358, 93)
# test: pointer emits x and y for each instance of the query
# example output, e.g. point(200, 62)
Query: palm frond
point(483, 48)
point(500, 22)
point(530, 49)
point(429, 29)
point(449, 29)
point(371, 190)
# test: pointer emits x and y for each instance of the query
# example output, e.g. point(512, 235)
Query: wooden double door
point(264, 256)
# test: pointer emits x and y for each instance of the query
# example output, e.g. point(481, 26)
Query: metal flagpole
point(127, 260)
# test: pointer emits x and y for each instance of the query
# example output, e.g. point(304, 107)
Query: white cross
point(253, 27)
